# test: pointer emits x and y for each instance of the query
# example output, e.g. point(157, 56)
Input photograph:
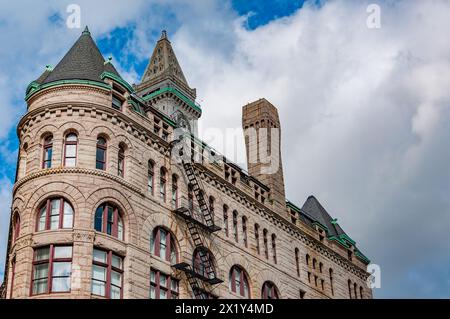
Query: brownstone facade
point(277, 248)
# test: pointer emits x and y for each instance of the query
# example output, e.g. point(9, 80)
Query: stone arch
point(162, 220)
point(44, 130)
point(235, 258)
point(72, 127)
point(102, 130)
point(54, 189)
point(114, 196)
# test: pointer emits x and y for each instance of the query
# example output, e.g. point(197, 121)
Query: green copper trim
point(361, 256)
point(136, 107)
point(38, 88)
point(118, 79)
point(316, 223)
point(345, 237)
point(31, 87)
point(293, 206)
point(339, 240)
point(178, 94)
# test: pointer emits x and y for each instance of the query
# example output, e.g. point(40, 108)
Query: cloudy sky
point(365, 112)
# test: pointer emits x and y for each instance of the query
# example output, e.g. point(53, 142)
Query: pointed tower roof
point(164, 64)
point(83, 62)
point(318, 213)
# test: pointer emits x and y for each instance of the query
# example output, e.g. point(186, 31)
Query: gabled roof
point(163, 62)
point(82, 62)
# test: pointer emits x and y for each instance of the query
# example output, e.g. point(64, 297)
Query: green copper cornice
point(118, 79)
point(177, 93)
point(34, 87)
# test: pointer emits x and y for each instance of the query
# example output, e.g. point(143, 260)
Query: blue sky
point(364, 112)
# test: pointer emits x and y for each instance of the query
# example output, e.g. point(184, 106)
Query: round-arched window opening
point(269, 291)
point(55, 213)
point(108, 220)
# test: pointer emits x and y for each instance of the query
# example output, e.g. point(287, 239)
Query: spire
point(82, 62)
point(163, 63)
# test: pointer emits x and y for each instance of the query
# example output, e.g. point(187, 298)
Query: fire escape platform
point(186, 214)
point(187, 269)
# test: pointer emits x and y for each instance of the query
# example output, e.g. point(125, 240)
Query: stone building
point(107, 204)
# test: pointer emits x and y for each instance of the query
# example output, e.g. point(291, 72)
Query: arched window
point(314, 263)
point(349, 288)
point(307, 259)
point(70, 150)
point(361, 292)
point(47, 152)
point(16, 224)
point(55, 213)
point(257, 238)
point(269, 291)
point(355, 290)
point(225, 219)
point(331, 281)
point(235, 226)
point(100, 156)
point(239, 282)
point(203, 263)
point(162, 183)
point(297, 261)
point(121, 162)
point(274, 248)
point(150, 177)
point(211, 205)
point(174, 191)
point(266, 245)
point(108, 220)
point(163, 245)
point(244, 230)
point(320, 267)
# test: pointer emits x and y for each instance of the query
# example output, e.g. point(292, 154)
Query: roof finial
point(163, 34)
point(86, 31)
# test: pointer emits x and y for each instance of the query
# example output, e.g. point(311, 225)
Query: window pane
point(54, 213)
point(71, 150)
point(163, 280)
point(68, 216)
point(120, 228)
point(61, 284)
point(152, 276)
point(40, 286)
point(62, 269)
point(54, 222)
point(42, 254)
point(116, 279)
point(42, 218)
point(110, 221)
point(162, 294)
point(99, 273)
point(70, 162)
point(98, 288)
point(100, 256)
point(152, 292)
point(115, 292)
point(99, 219)
point(117, 262)
point(63, 252)
point(174, 285)
point(40, 271)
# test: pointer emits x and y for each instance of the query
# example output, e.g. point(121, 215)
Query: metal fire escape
point(196, 223)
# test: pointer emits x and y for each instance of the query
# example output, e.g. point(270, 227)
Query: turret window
point(108, 220)
point(121, 162)
point(55, 213)
point(48, 151)
point(116, 103)
point(52, 268)
point(107, 274)
point(70, 150)
point(100, 158)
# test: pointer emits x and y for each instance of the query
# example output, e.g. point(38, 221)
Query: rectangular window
point(107, 274)
point(52, 269)
point(100, 158)
point(163, 286)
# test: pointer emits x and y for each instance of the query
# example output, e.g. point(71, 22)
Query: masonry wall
point(86, 111)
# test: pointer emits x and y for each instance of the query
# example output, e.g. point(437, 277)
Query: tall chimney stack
point(262, 132)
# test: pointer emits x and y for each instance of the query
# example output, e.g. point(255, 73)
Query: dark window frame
point(107, 223)
point(67, 143)
point(48, 215)
point(104, 149)
point(109, 269)
point(47, 152)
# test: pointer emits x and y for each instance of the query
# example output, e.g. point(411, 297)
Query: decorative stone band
point(75, 170)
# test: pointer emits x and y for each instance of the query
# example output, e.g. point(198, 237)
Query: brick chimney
point(262, 133)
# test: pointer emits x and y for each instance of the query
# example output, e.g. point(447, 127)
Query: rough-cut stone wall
point(86, 111)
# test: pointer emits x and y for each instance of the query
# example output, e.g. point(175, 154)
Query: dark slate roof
point(84, 61)
point(318, 213)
